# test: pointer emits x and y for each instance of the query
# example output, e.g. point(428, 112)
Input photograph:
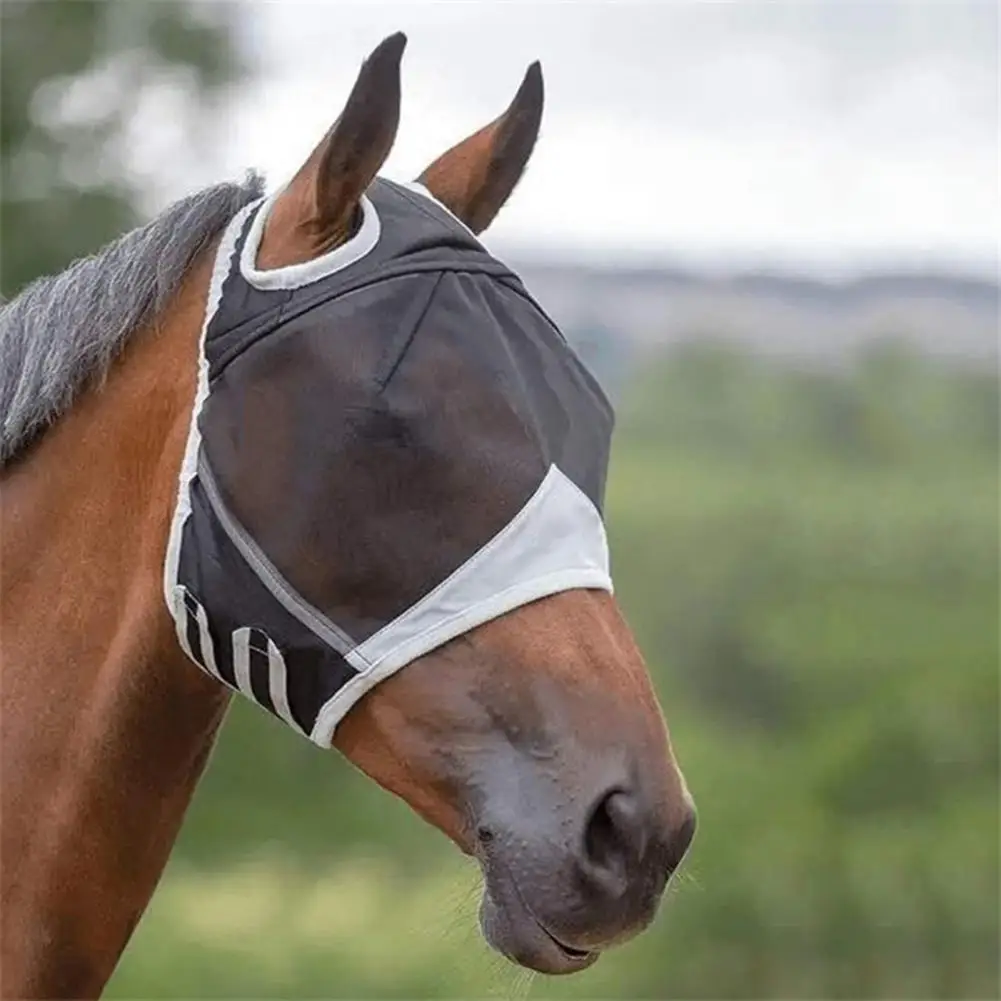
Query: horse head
point(534, 739)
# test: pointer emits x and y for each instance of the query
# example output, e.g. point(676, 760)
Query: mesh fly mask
point(390, 445)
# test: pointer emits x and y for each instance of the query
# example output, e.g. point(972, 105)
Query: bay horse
point(533, 739)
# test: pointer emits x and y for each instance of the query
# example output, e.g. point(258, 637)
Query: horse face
point(536, 743)
point(534, 739)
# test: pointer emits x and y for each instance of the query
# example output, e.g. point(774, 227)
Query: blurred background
point(771, 229)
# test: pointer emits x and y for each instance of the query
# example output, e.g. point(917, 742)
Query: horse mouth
point(581, 956)
point(510, 927)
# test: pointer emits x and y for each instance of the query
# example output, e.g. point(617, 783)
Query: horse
point(533, 739)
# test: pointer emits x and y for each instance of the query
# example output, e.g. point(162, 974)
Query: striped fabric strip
point(278, 686)
point(189, 614)
point(241, 661)
point(205, 640)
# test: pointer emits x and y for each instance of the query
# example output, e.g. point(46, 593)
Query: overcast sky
point(808, 134)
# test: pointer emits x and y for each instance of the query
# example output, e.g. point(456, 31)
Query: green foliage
point(64, 189)
point(894, 404)
point(819, 608)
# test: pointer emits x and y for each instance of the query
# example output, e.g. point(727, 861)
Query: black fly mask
point(390, 445)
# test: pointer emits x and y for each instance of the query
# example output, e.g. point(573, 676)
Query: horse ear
point(322, 199)
point(476, 177)
point(357, 146)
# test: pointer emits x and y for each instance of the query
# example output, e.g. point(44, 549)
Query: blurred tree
point(73, 76)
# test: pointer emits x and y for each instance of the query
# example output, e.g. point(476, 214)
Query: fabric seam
point(267, 323)
point(268, 574)
point(385, 380)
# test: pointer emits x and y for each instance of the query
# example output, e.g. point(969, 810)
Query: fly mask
point(389, 445)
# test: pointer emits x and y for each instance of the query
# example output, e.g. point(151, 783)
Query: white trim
point(205, 639)
point(178, 612)
point(181, 610)
point(189, 464)
point(241, 661)
point(297, 275)
point(278, 686)
point(556, 542)
point(420, 189)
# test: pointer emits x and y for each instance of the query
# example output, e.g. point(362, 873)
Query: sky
point(813, 135)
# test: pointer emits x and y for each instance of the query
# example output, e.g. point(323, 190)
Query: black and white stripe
point(248, 661)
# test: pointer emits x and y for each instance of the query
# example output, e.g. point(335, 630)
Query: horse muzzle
point(558, 893)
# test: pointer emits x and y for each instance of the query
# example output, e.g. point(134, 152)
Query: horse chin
point(510, 929)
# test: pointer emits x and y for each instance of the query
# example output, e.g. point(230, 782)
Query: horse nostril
point(681, 842)
point(615, 837)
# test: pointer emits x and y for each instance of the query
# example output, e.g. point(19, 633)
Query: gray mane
point(62, 333)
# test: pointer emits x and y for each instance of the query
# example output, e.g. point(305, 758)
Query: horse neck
point(106, 727)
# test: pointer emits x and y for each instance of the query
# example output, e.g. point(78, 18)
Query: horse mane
point(62, 333)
